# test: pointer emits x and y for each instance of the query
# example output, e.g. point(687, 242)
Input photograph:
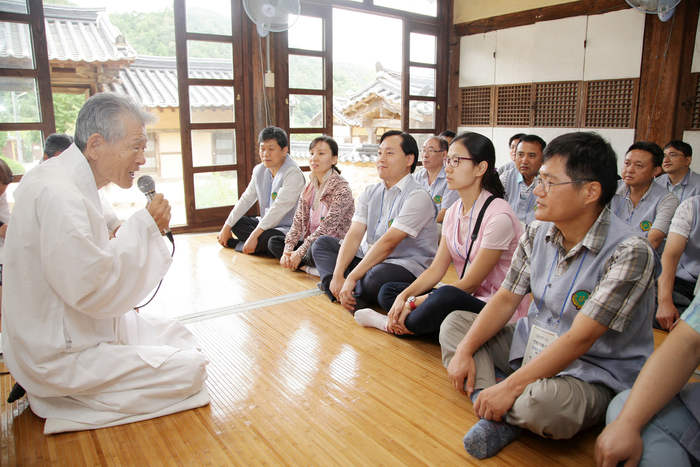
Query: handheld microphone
point(148, 187)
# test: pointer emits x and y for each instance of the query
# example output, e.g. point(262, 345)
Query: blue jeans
point(428, 317)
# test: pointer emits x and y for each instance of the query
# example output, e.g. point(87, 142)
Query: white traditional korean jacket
point(70, 336)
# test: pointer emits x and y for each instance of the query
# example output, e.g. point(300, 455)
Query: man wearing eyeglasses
point(392, 237)
point(644, 205)
point(588, 330)
point(432, 175)
point(677, 177)
point(519, 181)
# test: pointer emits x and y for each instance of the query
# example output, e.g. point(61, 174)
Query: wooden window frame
point(211, 216)
point(41, 72)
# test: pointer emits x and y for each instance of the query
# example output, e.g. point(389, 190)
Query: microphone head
point(146, 184)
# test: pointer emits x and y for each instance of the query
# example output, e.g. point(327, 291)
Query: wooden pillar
point(666, 60)
point(453, 95)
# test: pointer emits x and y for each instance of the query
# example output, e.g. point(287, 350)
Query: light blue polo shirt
point(686, 188)
point(442, 196)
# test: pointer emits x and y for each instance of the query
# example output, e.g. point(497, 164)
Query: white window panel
point(614, 45)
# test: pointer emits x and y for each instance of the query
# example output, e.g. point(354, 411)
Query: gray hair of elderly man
point(105, 114)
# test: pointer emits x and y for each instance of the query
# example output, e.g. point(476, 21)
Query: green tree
point(66, 108)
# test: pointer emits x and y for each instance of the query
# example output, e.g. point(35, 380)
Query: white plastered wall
point(607, 46)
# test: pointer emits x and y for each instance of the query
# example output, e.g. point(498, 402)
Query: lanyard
point(270, 194)
point(454, 238)
point(381, 211)
point(544, 291)
point(531, 197)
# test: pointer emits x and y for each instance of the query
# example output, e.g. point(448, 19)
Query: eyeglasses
point(546, 186)
point(431, 151)
point(673, 155)
point(454, 161)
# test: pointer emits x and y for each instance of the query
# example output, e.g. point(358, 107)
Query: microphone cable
point(168, 234)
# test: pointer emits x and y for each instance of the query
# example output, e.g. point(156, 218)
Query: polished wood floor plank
point(295, 383)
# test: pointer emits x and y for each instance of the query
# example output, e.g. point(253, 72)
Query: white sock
point(311, 271)
point(367, 317)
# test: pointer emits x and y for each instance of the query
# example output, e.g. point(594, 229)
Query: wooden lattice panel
point(695, 122)
point(610, 104)
point(476, 106)
point(557, 104)
point(514, 105)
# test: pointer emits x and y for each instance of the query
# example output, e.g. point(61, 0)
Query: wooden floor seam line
point(235, 309)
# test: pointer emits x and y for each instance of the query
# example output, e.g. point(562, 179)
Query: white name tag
point(539, 340)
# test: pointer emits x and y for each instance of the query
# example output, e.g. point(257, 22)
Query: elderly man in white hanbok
point(69, 332)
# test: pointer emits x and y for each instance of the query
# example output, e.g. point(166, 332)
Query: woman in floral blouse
point(325, 207)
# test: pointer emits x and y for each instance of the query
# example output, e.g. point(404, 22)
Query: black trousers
point(245, 226)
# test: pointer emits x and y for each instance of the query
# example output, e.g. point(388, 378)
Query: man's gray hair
point(105, 114)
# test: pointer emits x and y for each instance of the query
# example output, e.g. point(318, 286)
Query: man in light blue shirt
point(519, 182)
point(678, 178)
point(432, 175)
point(392, 236)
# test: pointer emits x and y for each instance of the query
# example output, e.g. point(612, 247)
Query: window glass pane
point(211, 104)
point(367, 85)
point(305, 72)
point(422, 81)
point(14, 6)
point(423, 48)
point(307, 33)
point(305, 111)
point(420, 139)
point(421, 114)
point(209, 60)
point(16, 46)
point(214, 189)
point(213, 147)
point(18, 101)
point(210, 17)
point(299, 146)
point(22, 150)
point(423, 7)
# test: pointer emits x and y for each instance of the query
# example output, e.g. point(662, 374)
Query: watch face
point(411, 299)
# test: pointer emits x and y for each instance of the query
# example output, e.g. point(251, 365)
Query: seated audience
point(512, 150)
point(392, 236)
point(644, 205)
point(55, 144)
point(519, 181)
point(449, 135)
point(275, 184)
point(657, 423)
point(470, 172)
point(432, 175)
point(677, 177)
point(681, 264)
point(70, 335)
point(325, 207)
point(588, 330)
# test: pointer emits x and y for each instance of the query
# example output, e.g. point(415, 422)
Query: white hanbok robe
point(70, 336)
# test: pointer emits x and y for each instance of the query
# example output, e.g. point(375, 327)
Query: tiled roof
point(72, 34)
point(153, 82)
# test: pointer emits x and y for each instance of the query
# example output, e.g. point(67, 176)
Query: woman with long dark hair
point(325, 207)
point(481, 255)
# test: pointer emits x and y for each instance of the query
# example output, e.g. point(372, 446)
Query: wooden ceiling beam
point(523, 18)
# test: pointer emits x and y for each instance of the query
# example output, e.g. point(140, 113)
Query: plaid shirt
point(628, 273)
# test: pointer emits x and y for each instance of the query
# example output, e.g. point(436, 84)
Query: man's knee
point(615, 406)
point(452, 331)
point(559, 407)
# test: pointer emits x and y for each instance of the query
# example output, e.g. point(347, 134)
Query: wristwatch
point(412, 302)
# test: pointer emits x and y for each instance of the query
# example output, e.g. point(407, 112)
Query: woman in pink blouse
point(326, 207)
point(417, 308)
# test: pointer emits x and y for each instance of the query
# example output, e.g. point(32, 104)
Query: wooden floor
point(292, 383)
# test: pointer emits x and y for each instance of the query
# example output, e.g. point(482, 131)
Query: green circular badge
point(391, 222)
point(645, 226)
point(274, 196)
point(579, 298)
point(437, 199)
